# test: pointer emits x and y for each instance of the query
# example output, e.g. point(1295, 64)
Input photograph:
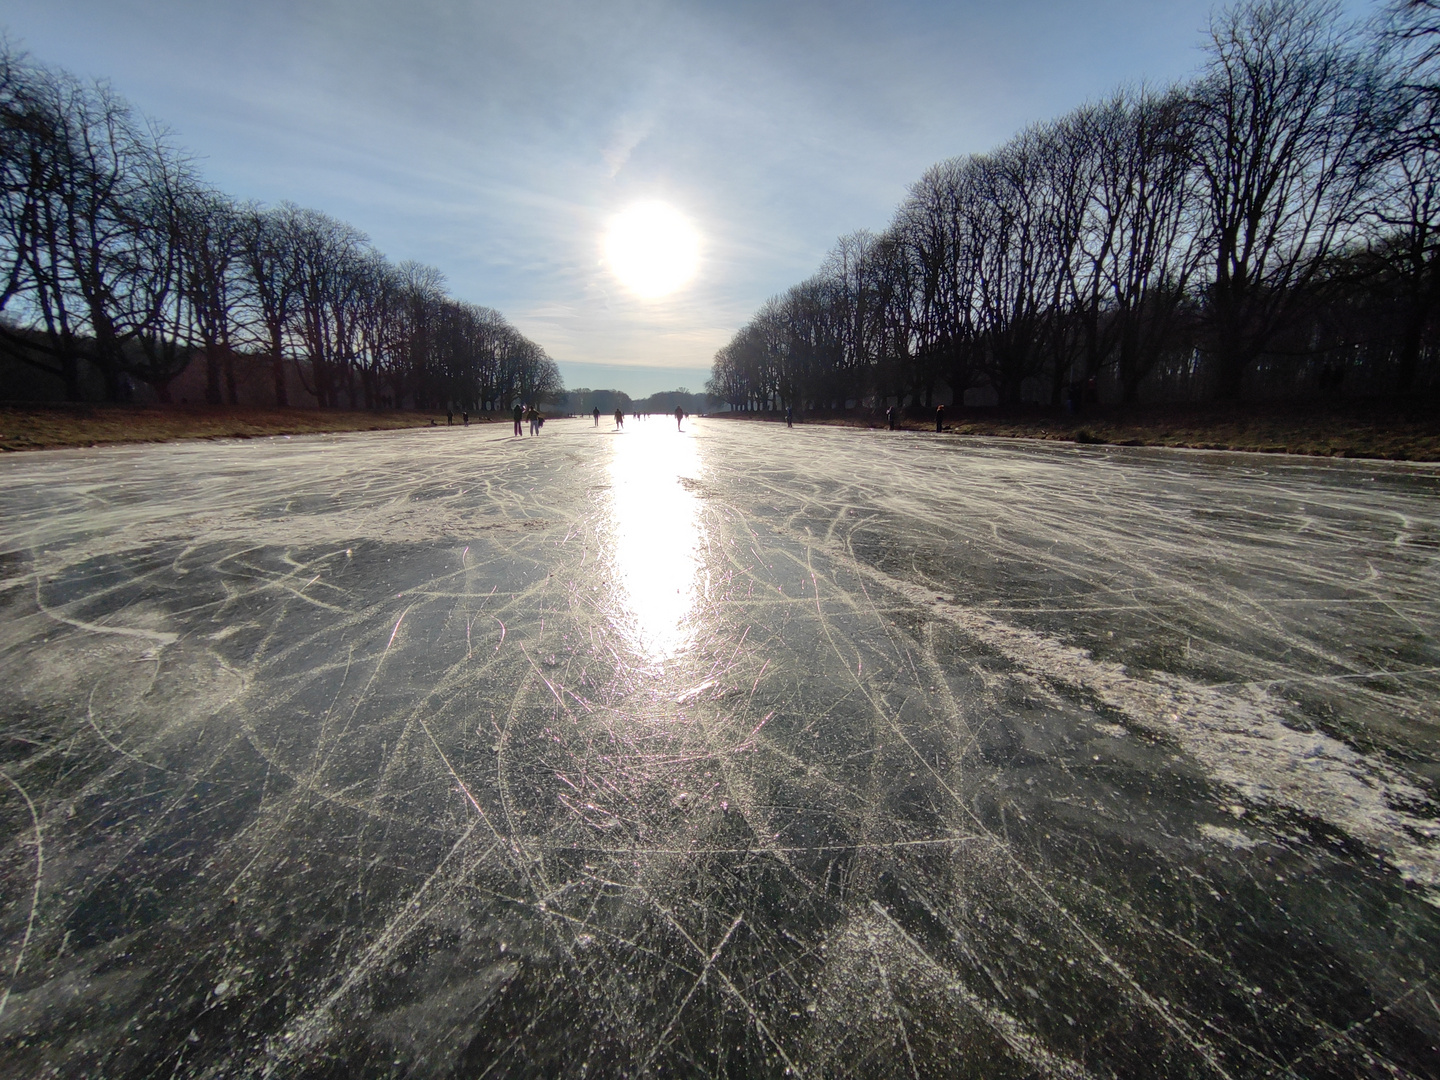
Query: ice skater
point(679, 415)
point(534, 420)
point(519, 416)
point(890, 417)
point(619, 420)
point(597, 415)
point(789, 416)
point(939, 417)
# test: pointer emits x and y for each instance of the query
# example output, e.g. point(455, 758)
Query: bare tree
point(852, 311)
point(165, 270)
point(270, 283)
point(536, 376)
point(1013, 244)
point(892, 278)
point(26, 132)
point(1283, 129)
point(115, 256)
point(422, 290)
point(1407, 209)
point(80, 171)
point(212, 236)
point(1139, 251)
point(1415, 25)
point(328, 260)
point(491, 332)
point(1280, 208)
point(934, 226)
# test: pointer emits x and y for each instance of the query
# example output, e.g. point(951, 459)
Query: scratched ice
point(740, 751)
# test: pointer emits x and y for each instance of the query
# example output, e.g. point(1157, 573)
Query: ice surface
point(735, 751)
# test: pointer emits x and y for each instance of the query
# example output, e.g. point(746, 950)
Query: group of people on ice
point(523, 413)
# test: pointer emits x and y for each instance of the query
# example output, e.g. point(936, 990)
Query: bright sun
point(653, 249)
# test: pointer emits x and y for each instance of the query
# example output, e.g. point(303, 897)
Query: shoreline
point(1366, 431)
point(25, 427)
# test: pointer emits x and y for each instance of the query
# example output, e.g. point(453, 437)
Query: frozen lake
point(732, 752)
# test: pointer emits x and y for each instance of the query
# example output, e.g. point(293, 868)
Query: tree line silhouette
point(582, 400)
point(1267, 230)
point(118, 260)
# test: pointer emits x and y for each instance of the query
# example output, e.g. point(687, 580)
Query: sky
point(496, 141)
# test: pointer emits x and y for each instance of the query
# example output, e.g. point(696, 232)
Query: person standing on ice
point(939, 417)
point(597, 415)
point(619, 420)
point(789, 416)
point(519, 415)
point(679, 415)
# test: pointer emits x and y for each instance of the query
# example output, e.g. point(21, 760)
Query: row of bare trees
point(117, 257)
point(1269, 229)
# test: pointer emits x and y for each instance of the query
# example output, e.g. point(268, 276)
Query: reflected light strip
point(658, 534)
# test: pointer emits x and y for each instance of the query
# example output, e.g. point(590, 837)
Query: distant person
point(789, 416)
point(465, 417)
point(597, 415)
point(890, 417)
point(534, 420)
point(619, 420)
point(519, 416)
point(449, 417)
point(679, 415)
point(939, 417)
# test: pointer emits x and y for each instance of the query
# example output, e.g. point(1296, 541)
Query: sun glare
point(652, 249)
point(659, 538)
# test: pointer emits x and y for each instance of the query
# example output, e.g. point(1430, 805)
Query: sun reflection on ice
point(658, 534)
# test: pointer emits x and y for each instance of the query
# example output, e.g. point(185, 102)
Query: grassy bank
point(1360, 431)
point(41, 427)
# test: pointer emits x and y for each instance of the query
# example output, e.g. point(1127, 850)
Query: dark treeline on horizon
point(1267, 231)
point(582, 400)
point(122, 265)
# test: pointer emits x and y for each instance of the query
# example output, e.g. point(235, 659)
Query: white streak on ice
point(35, 893)
point(1235, 733)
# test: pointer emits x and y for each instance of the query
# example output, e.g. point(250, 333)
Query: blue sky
point(495, 140)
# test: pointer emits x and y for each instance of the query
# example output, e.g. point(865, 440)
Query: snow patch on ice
point(1236, 733)
point(1231, 838)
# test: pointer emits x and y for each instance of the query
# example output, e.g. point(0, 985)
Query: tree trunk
point(230, 390)
point(277, 372)
point(1230, 344)
point(1229, 372)
point(212, 376)
point(70, 372)
point(109, 370)
point(1131, 370)
point(1058, 380)
point(1423, 301)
